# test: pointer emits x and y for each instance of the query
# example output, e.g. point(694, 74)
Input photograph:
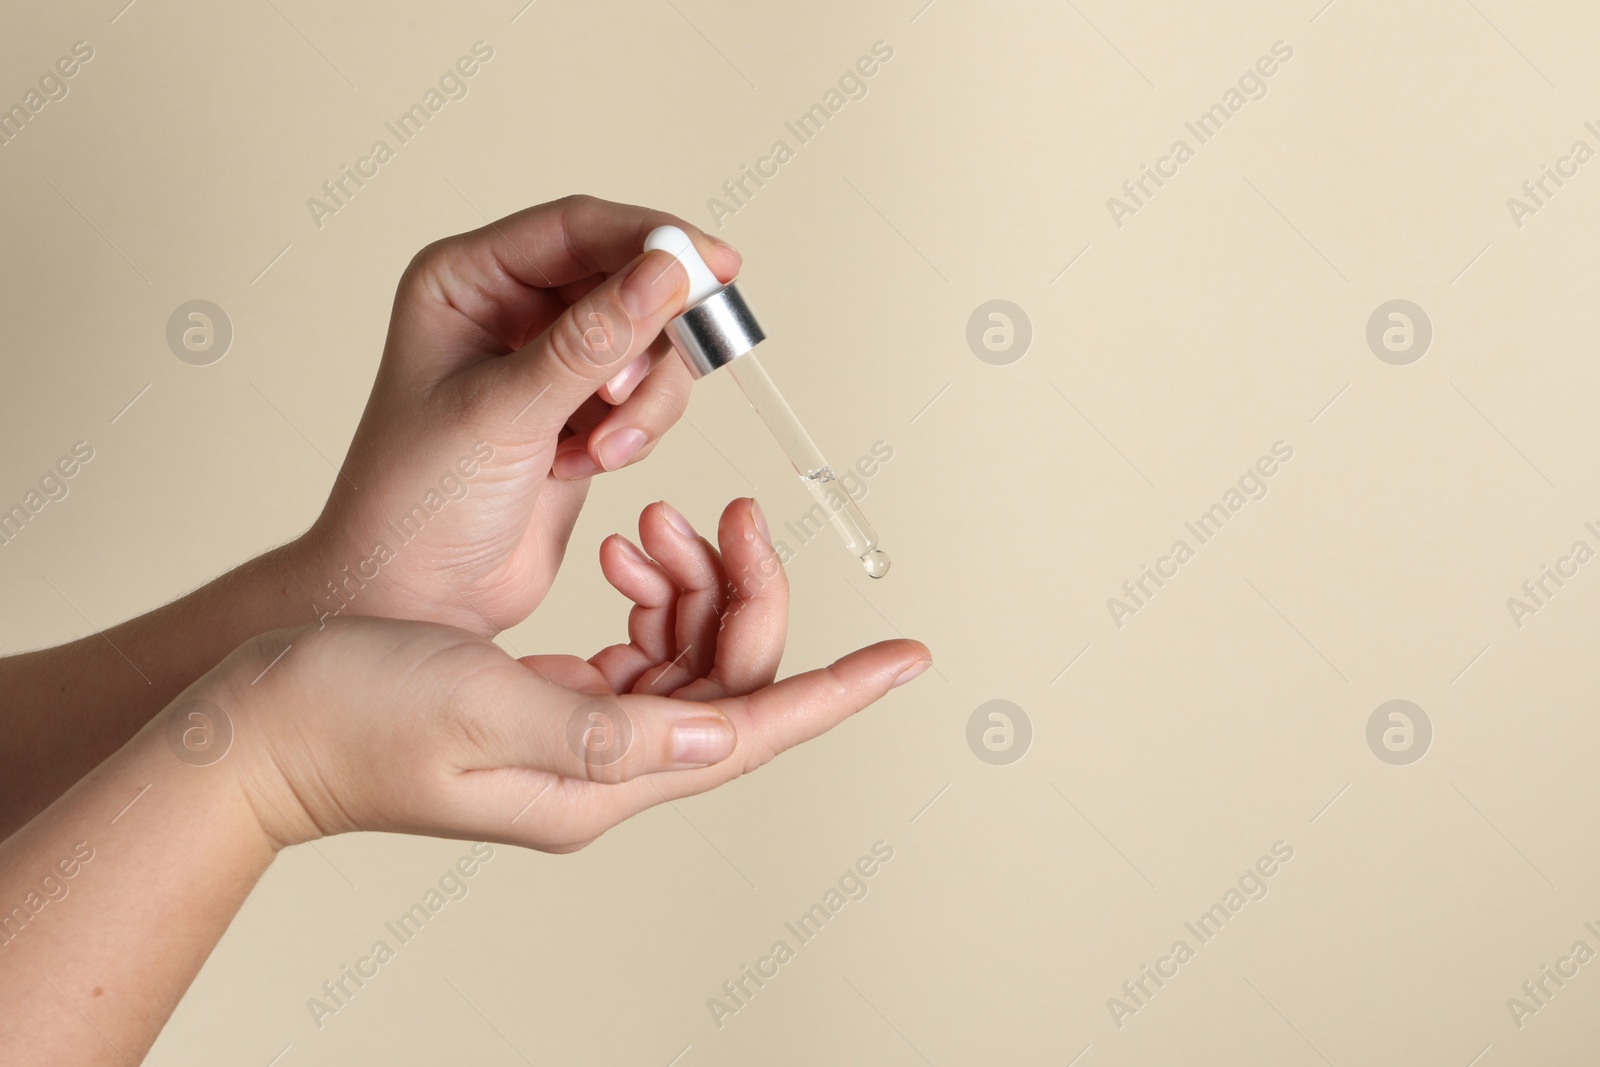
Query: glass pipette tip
point(815, 472)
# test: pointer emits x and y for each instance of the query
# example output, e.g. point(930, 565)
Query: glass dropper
point(719, 330)
point(815, 473)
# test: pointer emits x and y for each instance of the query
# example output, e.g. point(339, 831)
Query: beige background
point(1223, 317)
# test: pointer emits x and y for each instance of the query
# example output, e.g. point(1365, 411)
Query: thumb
point(594, 339)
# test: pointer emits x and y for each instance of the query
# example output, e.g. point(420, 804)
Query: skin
point(528, 347)
point(376, 724)
point(537, 335)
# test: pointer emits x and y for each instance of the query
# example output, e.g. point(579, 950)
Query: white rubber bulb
point(702, 283)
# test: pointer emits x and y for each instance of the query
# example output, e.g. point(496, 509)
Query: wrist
point(332, 572)
point(273, 591)
point(325, 576)
point(318, 578)
point(192, 755)
point(227, 724)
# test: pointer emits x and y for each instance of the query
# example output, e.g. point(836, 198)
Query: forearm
point(70, 707)
point(107, 910)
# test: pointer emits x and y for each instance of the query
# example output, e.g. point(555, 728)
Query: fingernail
point(761, 522)
point(622, 385)
point(720, 243)
point(697, 742)
point(619, 446)
point(675, 517)
point(631, 550)
point(655, 280)
point(571, 466)
point(912, 671)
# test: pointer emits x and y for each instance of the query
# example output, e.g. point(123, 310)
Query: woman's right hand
point(370, 724)
point(522, 358)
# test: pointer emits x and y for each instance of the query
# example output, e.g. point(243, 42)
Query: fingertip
point(911, 672)
point(760, 519)
point(888, 663)
point(738, 522)
point(673, 542)
point(723, 259)
point(635, 575)
point(675, 519)
point(656, 285)
point(620, 548)
point(621, 387)
point(619, 447)
point(753, 565)
point(573, 463)
point(917, 660)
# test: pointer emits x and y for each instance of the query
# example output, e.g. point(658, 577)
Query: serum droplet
point(876, 563)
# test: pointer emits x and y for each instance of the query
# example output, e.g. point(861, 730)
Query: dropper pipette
point(718, 330)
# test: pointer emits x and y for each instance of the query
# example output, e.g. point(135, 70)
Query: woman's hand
point(375, 725)
point(522, 358)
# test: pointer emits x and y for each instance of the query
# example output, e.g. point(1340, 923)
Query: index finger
point(562, 242)
point(780, 716)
